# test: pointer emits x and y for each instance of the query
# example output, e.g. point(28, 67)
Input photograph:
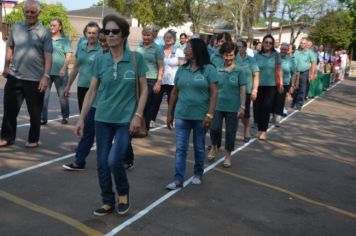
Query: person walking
point(194, 97)
point(269, 62)
point(29, 51)
point(118, 113)
point(230, 104)
point(62, 54)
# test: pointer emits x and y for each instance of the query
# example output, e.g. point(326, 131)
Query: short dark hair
point(225, 35)
point(121, 22)
point(227, 47)
point(183, 34)
point(266, 37)
point(200, 52)
point(243, 43)
point(90, 24)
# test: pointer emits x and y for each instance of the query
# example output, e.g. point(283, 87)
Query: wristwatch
point(209, 116)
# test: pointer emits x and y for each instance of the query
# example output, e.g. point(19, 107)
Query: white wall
point(2, 53)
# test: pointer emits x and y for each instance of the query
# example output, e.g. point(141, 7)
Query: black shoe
point(299, 108)
point(64, 121)
point(43, 122)
point(72, 166)
point(103, 210)
point(129, 166)
point(124, 204)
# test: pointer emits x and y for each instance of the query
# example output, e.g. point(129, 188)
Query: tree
point(195, 10)
point(335, 29)
point(48, 12)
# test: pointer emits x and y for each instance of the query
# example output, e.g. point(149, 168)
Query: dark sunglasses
point(113, 31)
point(268, 42)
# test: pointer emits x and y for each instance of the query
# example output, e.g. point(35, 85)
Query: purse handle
point(136, 77)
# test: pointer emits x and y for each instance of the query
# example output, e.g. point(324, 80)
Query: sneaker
point(152, 124)
point(43, 122)
point(278, 120)
point(174, 185)
point(123, 205)
point(129, 166)
point(64, 121)
point(72, 166)
point(196, 180)
point(103, 210)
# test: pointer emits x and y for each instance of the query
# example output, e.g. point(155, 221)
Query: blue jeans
point(86, 142)
point(60, 84)
point(301, 92)
point(183, 128)
point(111, 158)
point(231, 123)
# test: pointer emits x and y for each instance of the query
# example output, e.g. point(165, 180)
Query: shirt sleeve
point(95, 69)
point(142, 67)
point(10, 41)
point(243, 75)
point(48, 46)
point(159, 53)
point(211, 74)
point(176, 77)
point(312, 56)
point(279, 59)
point(253, 65)
point(180, 54)
point(67, 46)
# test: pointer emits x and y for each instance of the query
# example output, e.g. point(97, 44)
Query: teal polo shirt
point(288, 69)
point(194, 91)
point(267, 66)
point(61, 47)
point(151, 55)
point(229, 84)
point(304, 59)
point(217, 60)
point(116, 100)
point(249, 64)
point(85, 61)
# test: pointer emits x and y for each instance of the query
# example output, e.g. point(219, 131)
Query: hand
point(254, 95)
point(207, 123)
point(135, 125)
point(241, 113)
point(280, 89)
point(78, 130)
point(6, 71)
point(291, 90)
point(66, 92)
point(169, 121)
point(62, 72)
point(43, 84)
point(157, 87)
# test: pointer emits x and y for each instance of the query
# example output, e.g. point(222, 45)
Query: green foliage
point(48, 12)
point(335, 28)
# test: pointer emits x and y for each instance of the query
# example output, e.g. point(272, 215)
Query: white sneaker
point(278, 120)
point(196, 180)
point(152, 124)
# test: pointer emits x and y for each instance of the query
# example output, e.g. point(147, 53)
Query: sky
point(74, 4)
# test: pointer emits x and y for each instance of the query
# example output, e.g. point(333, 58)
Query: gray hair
point(150, 29)
point(32, 2)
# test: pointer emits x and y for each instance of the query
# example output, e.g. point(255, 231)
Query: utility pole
point(1, 15)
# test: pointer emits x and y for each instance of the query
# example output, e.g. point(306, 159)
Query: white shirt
point(343, 60)
point(170, 65)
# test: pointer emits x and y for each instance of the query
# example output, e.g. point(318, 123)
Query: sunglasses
point(113, 31)
point(268, 42)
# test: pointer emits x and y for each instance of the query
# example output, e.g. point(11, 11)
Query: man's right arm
point(8, 58)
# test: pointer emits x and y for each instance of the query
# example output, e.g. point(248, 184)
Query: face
point(169, 40)
point(229, 58)
point(258, 47)
point(182, 39)
point(147, 38)
point(221, 41)
point(303, 44)
point(188, 52)
point(276, 44)
point(55, 27)
point(113, 35)
point(102, 40)
point(240, 47)
point(267, 44)
point(92, 35)
point(31, 13)
point(321, 48)
point(284, 50)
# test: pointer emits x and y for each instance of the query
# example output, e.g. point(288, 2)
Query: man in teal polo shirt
point(305, 64)
point(29, 50)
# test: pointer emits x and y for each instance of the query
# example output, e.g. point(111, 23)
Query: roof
point(93, 12)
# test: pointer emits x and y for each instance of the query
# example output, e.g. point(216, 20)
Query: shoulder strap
point(133, 57)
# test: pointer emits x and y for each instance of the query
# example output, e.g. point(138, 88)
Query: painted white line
point(17, 172)
point(188, 181)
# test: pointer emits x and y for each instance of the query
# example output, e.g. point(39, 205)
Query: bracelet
point(209, 116)
point(47, 75)
point(242, 107)
point(138, 115)
point(254, 90)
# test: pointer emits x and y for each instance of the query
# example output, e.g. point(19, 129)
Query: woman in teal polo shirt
point(266, 61)
point(153, 57)
point(194, 97)
point(62, 54)
point(118, 113)
point(230, 104)
point(288, 69)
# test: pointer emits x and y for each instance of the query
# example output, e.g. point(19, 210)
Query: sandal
point(5, 143)
point(31, 145)
point(227, 163)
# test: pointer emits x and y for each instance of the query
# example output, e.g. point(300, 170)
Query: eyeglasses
point(31, 12)
point(113, 31)
point(268, 42)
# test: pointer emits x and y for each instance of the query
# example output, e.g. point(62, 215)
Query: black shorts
point(247, 105)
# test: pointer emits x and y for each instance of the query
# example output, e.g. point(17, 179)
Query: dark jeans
point(151, 104)
point(300, 94)
point(60, 84)
point(264, 105)
point(248, 106)
point(81, 91)
point(110, 159)
point(231, 123)
point(165, 89)
point(279, 101)
point(15, 92)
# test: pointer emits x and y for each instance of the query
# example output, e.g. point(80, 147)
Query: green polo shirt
point(116, 99)
point(304, 59)
point(248, 63)
point(85, 61)
point(151, 55)
point(288, 69)
point(194, 92)
point(29, 46)
point(267, 65)
point(229, 88)
point(217, 60)
point(61, 47)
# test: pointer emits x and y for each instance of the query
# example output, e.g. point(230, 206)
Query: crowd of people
point(207, 84)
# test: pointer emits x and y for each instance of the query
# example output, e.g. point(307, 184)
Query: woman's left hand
point(241, 113)
point(207, 123)
point(280, 89)
point(135, 125)
point(157, 87)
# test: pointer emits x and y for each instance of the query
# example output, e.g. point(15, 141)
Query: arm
point(157, 86)
point(88, 101)
point(172, 103)
point(279, 71)
point(241, 112)
point(213, 97)
point(71, 79)
point(62, 72)
point(44, 80)
point(8, 58)
point(256, 81)
point(136, 122)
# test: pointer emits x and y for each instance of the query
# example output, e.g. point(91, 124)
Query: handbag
point(276, 74)
point(143, 130)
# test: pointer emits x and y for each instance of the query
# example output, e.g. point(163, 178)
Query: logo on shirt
point(199, 77)
point(129, 74)
point(233, 79)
